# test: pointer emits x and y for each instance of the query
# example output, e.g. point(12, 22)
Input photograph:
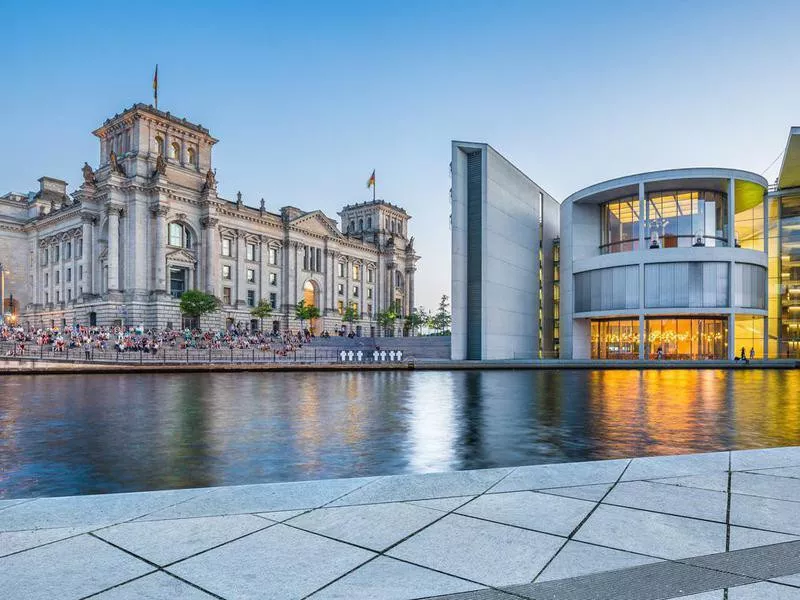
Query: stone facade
point(148, 223)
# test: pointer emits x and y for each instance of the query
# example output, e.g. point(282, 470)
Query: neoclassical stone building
point(148, 224)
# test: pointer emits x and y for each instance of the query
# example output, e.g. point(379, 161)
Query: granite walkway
point(721, 526)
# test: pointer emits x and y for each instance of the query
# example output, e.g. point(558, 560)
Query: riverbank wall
point(35, 366)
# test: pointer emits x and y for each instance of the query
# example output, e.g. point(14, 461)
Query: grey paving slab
point(659, 467)
point(763, 562)
point(656, 581)
point(743, 537)
point(782, 488)
point(84, 511)
point(279, 516)
point(390, 579)
point(592, 493)
point(765, 513)
point(715, 595)
point(542, 512)
point(422, 487)
point(10, 503)
point(717, 482)
point(443, 504)
point(745, 460)
point(654, 534)
point(156, 586)
point(277, 563)
point(16, 541)
point(66, 570)
point(763, 591)
point(489, 553)
point(792, 472)
point(262, 498)
point(789, 579)
point(577, 558)
point(164, 542)
point(561, 475)
point(373, 526)
point(686, 502)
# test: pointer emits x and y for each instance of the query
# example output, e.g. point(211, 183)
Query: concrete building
point(147, 224)
point(670, 264)
point(503, 227)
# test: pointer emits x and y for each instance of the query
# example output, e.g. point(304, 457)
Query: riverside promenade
point(701, 527)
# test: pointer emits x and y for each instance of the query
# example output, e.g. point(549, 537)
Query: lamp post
point(2, 294)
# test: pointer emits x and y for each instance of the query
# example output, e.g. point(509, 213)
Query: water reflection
point(78, 435)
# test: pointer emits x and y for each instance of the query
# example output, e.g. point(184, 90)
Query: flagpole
point(374, 185)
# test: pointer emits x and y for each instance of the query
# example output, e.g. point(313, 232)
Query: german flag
point(371, 180)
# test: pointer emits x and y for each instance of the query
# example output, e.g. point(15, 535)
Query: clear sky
point(307, 98)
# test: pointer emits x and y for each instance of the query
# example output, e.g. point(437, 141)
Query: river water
point(84, 434)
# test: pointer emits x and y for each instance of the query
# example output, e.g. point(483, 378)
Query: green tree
point(350, 316)
point(195, 303)
point(416, 319)
point(441, 320)
point(386, 319)
point(261, 311)
point(306, 312)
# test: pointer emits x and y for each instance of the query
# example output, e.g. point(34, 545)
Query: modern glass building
point(665, 265)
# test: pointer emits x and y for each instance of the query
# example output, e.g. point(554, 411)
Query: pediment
point(181, 256)
point(316, 222)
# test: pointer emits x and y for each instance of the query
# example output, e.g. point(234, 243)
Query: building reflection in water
point(76, 435)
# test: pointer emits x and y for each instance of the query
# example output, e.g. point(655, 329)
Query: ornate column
point(241, 275)
point(87, 252)
point(410, 289)
point(160, 254)
point(113, 213)
point(210, 268)
point(263, 276)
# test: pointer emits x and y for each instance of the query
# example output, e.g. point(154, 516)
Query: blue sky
point(307, 98)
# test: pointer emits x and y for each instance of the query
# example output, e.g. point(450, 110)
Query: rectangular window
point(356, 272)
point(305, 258)
point(177, 281)
point(273, 279)
point(369, 276)
point(46, 279)
point(251, 275)
point(251, 298)
point(45, 257)
point(369, 310)
point(273, 256)
point(69, 275)
point(46, 298)
point(68, 251)
point(355, 291)
point(341, 269)
point(369, 293)
point(58, 296)
point(226, 271)
point(69, 295)
point(80, 291)
point(340, 307)
point(226, 295)
point(58, 277)
point(273, 300)
point(354, 306)
point(251, 251)
point(175, 235)
point(226, 247)
point(80, 272)
point(55, 253)
point(79, 248)
point(340, 289)
point(319, 260)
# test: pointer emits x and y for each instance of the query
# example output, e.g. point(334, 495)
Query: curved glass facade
point(687, 218)
point(620, 223)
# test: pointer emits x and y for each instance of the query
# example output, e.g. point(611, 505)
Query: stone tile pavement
point(721, 526)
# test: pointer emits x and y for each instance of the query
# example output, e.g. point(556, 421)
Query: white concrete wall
point(458, 226)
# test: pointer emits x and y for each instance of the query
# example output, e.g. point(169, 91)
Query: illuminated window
point(192, 156)
point(226, 295)
point(356, 272)
point(340, 307)
point(160, 145)
point(175, 150)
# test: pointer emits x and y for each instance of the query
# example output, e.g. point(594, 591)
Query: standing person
point(743, 355)
point(752, 353)
point(87, 350)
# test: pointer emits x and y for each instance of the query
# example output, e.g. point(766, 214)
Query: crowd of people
point(17, 341)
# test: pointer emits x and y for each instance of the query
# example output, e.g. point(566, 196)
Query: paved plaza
point(701, 527)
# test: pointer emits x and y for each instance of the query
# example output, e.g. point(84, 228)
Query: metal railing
point(174, 356)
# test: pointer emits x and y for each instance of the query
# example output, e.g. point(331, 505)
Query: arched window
point(192, 155)
point(179, 236)
point(160, 145)
point(361, 224)
point(175, 150)
point(391, 226)
point(352, 227)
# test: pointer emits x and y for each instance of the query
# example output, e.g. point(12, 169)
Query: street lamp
point(3, 294)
